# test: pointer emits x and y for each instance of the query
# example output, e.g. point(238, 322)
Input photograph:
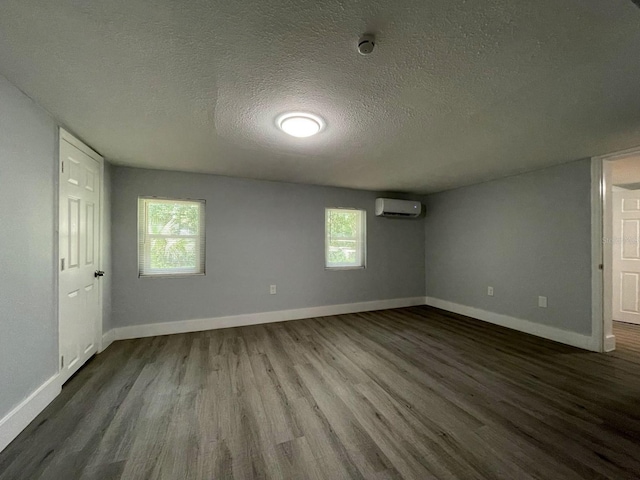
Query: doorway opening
point(615, 244)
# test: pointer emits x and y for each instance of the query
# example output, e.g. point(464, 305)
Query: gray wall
point(106, 249)
point(28, 319)
point(258, 233)
point(525, 235)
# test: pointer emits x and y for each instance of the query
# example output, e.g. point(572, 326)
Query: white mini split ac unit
point(391, 207)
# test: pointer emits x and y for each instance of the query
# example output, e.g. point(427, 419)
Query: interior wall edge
point(108, 338)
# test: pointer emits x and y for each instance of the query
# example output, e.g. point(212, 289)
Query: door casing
point(601, 250)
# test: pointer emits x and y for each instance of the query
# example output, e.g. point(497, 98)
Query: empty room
point(319, 239)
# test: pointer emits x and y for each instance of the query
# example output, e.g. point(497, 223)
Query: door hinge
point(62, 264)
point(62, 361)
point(601, 267)
point(62, 167)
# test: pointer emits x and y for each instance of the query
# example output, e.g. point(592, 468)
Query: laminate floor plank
point(551, 415)
point(412, 393)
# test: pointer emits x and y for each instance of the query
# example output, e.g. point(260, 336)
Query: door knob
point(98, 273)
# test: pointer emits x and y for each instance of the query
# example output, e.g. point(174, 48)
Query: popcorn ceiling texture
point(456, 92)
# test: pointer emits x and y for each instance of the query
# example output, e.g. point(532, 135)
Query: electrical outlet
point(542, 302)
point(490, 291)
point(273, 290)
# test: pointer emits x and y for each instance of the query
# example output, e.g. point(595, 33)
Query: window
point(170, 237)
point(345, 244)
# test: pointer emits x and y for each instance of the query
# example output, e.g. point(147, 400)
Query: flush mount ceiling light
point(299, 124)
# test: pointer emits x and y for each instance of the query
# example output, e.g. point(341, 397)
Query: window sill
point(171, 275)
point(345, 268)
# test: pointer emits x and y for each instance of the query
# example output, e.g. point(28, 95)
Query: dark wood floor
point(409, 393)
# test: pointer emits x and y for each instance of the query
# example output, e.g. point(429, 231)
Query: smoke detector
point(366, 44)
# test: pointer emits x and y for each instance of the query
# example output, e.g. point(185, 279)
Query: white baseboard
point(609, 343)
point(22, 415)
point(545, 331)
point(197, 325)
point(107, 339)
point(17, 419)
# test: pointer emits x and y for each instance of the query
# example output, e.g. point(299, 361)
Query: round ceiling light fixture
point(299, 124)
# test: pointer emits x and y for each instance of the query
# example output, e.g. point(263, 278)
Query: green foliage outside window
point(344, 242)
point(177, 223)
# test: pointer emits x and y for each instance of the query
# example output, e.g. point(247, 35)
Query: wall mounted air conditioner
point(390, 207)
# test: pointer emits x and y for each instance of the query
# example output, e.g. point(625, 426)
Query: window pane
point(173, 218)
point(170, 237)
point(342, 252)
point(173, 252)
point(345, 238)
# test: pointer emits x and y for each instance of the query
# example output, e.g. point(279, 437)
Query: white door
point(79, 247)
point(626, 255)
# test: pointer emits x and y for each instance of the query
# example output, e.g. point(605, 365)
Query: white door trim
point(597, 199)
point(601, 250)
point(64, 135)
point(101, 246)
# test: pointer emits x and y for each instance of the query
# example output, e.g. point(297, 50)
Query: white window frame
point(362, 234)
point(144, 240)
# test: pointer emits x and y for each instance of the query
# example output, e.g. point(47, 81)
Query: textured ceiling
point(456, 92)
